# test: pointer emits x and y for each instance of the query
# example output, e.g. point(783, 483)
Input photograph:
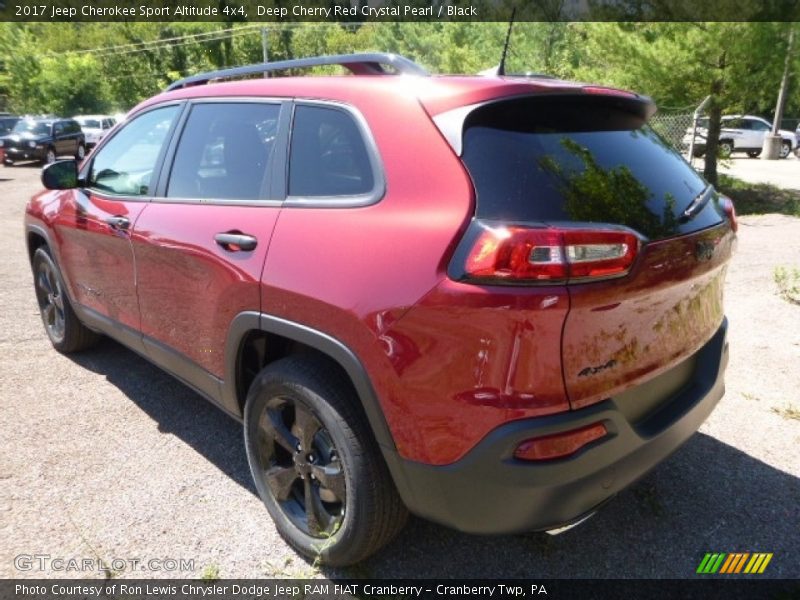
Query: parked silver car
point(740, 133)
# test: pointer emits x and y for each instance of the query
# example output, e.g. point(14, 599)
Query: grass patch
point(787, 412)
point(759, 198)
point(210, 573)
point(788, 282)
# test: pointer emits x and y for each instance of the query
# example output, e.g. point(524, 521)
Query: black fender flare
point(336, 350)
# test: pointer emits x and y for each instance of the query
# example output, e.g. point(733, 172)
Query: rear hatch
point(643, 239)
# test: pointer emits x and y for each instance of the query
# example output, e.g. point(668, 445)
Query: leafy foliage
point(46, 66)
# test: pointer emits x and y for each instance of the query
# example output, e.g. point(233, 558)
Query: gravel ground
point(784, 173)
point(104, 456)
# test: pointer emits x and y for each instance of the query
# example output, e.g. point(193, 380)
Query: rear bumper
point(488, 491)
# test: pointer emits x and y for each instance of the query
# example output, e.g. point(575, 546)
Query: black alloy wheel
point(302, 467)
point(315, 463)
point(51, 300)
point(65, 330)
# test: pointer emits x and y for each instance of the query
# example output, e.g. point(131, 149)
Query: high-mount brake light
point(525, 254)
point(604, 91)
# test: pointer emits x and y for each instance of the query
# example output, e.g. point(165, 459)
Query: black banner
point(282, 11)
point(712, 588)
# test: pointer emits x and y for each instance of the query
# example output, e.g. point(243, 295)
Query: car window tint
point(58, 129)
point(758, 126)
point(125, 164)
point(580, 160)
point(225, 152)
point(328, 156)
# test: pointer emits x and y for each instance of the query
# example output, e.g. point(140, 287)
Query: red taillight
point(560, 445)
point(730, 210)
point(549, 254)
point(517, 253)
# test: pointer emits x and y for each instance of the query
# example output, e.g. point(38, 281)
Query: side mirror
point(60, 175)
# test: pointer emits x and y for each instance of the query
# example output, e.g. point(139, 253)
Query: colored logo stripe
point(711, 563)
point(734, 563)
point(723, 563)
point(758, 563)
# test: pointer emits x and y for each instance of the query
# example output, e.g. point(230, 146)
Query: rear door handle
point(234, 242)
point(119, 222)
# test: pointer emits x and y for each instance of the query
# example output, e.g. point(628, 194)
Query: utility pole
point(265, 47)
point(772, 142)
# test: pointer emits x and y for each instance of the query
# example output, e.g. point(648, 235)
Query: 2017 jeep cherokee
point(492, 301)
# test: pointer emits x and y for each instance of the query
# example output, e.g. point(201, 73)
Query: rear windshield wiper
point(696, 205)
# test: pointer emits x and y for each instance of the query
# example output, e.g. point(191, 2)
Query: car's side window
point(225, 152)
point(328, 156)
point(58, 129)
point(125, 164)
point(759, 126)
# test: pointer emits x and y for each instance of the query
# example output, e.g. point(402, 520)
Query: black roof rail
point(359, 64)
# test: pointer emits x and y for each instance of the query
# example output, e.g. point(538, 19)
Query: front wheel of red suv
point(315, 463)
point(66, 332)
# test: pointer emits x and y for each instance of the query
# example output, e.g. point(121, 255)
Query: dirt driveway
point(105, 457)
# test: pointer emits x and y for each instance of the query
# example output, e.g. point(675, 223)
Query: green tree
point(679, 64)
point(72, 85)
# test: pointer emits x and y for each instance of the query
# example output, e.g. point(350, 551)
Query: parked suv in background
point(497, 315)
point(43, 140)
point(740, 134)
point(94, 127)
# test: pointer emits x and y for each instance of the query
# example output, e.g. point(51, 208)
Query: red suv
point(491, 301)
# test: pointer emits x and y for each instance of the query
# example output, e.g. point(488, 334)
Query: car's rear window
point(581, 159)
point(328, 156)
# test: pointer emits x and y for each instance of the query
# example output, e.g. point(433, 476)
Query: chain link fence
point(673, 128)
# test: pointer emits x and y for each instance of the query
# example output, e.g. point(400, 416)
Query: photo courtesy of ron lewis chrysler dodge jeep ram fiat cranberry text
point(491, 301)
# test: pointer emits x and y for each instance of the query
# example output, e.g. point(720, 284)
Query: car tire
point(786, 149)
point(725, 149)
point(754, 153)
point(65, 330)
point(315, 464)
point(80, 153)
point(50, 156)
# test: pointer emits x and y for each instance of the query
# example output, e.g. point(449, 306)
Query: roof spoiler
point(359, 64)
point(451, 123)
